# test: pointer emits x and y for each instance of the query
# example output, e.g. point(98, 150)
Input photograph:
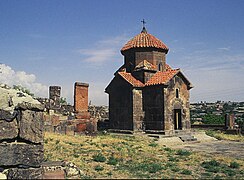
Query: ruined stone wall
point(120, 105)
point(172, 102)
point(21, 142)
point(54, 97)
point(153, 105)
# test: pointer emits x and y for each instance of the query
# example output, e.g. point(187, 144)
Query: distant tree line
point(213, 119)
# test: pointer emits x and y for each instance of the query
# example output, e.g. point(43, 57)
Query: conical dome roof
point(144, 40)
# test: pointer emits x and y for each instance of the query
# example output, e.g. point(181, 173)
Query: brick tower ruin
point(81, 100)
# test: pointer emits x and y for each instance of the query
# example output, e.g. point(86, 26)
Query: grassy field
point(222, 136)
point(125, 156)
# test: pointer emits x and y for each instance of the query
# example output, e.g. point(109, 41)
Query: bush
point(234, 165)
point(183, 152)
point(207, 164)
point(99, 158)
point(175, 169)
point(168, 149)
point(153, 168)
point(186, 172)
point(211, 166)
point(153, 144)
point(229, 172)
point(99, 168)
point(145, 167)
point(173, 159)
point(112, 160)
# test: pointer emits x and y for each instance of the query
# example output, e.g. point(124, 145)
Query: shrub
point(112, 160)
point(186, 172)
point(168, 149)
point(99, 158)
point(57, 141)
point(145, 167)
point(211, 166)
point(153, 168)
point(207, 164)
point(175, 169)
point(230, 172)
point(99, 168)
point(153, 144)
point(76, 155)
point(218, 177)
point(183, 152)
point(234, 165)
point(173, 159)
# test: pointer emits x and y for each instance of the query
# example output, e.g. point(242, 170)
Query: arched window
point(160, 67)
point(177, 93)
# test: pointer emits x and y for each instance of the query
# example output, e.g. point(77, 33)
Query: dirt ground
point(207, 145)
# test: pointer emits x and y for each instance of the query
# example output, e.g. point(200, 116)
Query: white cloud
point(10, 77)
point(103, 50)
point(224, 48)
point(98, 55)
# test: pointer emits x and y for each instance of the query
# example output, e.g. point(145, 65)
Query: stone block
point(8, 130)
point(55, 120)
point(14, 154)
point(82, 115)
point(31, 126)
point(30, 173)
point(30, 106)
point(81, 97)
point(56, 174)
point(70, 130)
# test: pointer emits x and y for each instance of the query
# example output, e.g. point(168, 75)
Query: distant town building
point(146, 94)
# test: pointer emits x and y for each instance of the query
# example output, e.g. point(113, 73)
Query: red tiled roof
point(162, 77)
point(158, 78)
point(144, 39)
point(167, 67)
point(130, 79)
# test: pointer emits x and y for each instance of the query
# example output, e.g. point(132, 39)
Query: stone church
point(146, 94)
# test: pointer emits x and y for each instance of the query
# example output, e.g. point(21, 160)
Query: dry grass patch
point(222, 136)
point(125, 156)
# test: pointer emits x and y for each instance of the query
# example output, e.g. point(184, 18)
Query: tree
point(213, 119)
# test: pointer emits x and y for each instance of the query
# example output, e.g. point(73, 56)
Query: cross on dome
point(143, 26)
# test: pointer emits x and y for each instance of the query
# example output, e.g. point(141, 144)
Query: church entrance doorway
point(177, 119)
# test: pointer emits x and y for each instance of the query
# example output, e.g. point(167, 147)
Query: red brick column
point(81, 100)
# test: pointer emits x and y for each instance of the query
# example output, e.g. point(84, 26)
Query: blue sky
point(55, 42)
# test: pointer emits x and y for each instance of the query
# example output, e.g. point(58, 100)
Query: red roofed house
point(146, 94)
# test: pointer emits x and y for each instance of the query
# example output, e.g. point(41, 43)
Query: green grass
point(125, 157)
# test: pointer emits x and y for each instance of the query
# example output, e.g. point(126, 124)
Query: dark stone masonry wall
point(21, 142)
point(154, 107)
point(120, 104)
